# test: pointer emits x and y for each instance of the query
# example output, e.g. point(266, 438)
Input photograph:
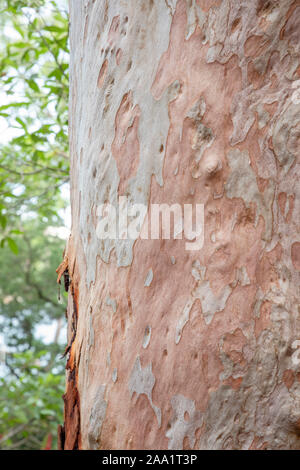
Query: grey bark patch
point(242, 184)
point(171, 4)
point(96, 418)
point(210, 304)
point(115, 375)
point(242, 276)
point(111, 303)
point(185, 422)
point(284, 133)
point(91, 332)
point(149, 278)
point(142, 382)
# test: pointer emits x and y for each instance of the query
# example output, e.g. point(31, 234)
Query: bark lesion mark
point(235, 24)
point(85, 28)
point(266, 6)
point(129, 65)
point(102, 74)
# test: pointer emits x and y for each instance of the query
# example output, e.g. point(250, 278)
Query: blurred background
point(34, 219)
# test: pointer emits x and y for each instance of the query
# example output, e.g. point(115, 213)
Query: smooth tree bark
point(185, 102)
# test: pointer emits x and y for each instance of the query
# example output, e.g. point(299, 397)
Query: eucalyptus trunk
point(185, 102)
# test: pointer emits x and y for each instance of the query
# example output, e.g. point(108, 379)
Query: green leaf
point(3, 221)
point(33, 85)
point(12, 245)
point(54, 29)
point(20, 45)
point(20, 121)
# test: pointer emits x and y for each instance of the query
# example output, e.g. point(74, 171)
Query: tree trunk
point(185, 102)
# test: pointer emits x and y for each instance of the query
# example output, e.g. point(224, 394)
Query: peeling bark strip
point(69, 434)
point(72, 414)
point(185, 102)
point(60, 437)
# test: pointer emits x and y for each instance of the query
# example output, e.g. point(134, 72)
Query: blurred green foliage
point(29, 294)
point(34, 167)
point(34, 82)
point(30, 403)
